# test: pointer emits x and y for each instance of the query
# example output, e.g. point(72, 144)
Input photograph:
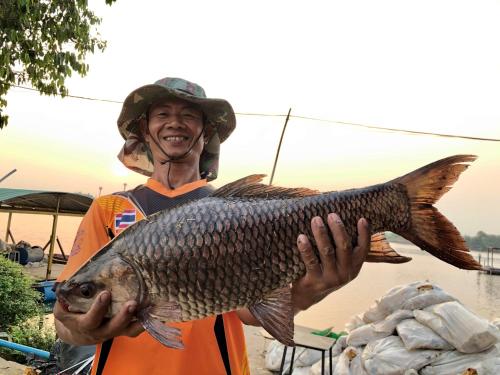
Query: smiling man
point(172, 134)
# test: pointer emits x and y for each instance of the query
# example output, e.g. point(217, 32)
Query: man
point(173, 132)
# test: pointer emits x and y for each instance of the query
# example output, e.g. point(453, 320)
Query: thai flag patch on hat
point(124, 219)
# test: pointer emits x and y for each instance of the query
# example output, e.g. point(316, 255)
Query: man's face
point(175, 124)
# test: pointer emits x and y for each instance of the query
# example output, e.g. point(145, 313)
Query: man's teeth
point(175, 139)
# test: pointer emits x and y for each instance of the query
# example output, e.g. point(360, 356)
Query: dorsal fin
point(251, 186)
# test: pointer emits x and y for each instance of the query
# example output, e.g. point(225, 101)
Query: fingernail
point(334, 218)
point(319, 222)
point(301, 240)
point(104, 297)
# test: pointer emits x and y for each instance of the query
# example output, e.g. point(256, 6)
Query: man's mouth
point(175, 138)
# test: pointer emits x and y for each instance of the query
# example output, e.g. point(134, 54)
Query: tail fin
point(430, 230)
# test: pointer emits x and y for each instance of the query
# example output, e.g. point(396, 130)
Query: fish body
point(237, 248)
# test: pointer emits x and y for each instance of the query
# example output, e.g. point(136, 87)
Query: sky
point(430, 66)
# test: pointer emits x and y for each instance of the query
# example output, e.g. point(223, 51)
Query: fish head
point(116, 275)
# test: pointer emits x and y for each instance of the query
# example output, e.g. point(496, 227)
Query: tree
point(43, 42)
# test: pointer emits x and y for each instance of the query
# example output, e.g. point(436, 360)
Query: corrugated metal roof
point(43, 201)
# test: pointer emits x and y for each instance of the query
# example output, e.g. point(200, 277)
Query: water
point(476, 290)
point(479, 292)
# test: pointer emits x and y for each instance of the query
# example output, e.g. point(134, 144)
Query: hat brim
point(217, 111)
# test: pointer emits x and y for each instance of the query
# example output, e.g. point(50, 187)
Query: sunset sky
point(431, 66)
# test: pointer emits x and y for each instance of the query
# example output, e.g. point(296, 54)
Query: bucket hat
point(219, 116)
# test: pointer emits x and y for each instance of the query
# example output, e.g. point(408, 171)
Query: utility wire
point(371, 127)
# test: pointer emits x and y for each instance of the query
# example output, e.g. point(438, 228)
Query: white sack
point(355, 322)
point(388, 356)
point(349, 362)
point(364, 334)
point(301, 370)
point(417, 336)
point(467, 332)
point(453, 363)
point(396, 298)
point(389, 323)
point(339, 345)
point(316, 368)
point(303, 357)
point(428, 297)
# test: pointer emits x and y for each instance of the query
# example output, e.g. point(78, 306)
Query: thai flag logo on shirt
point(124, 219)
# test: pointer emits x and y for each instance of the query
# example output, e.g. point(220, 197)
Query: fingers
point(364, 242)
point(343, 248)
point(120, 322)
point(310, 260)
point(93, 318)
point(324, 244)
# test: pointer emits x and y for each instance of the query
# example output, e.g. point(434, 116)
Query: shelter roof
point(39, 201)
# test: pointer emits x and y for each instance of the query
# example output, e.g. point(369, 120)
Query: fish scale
point(237, 248)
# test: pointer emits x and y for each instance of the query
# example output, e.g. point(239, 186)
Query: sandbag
point(467, 332)
point(350, 362)
point(454, 362)
point(303, 357)
point(417, 336)
point(388, 356)
point(428, 297)
point(390, 322)
point(364, 334)
point(316, 368)
point(396, 298)
point(355, 322)
point(339, 345)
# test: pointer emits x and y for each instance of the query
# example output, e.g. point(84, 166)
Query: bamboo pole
point(8, 227)
point(53, 239)
point(279, 146)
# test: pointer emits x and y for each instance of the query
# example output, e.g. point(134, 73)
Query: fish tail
point(430, 230)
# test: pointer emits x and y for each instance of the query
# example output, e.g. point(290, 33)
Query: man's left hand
point(337, 265)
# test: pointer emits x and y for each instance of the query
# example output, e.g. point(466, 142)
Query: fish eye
point(87, 290)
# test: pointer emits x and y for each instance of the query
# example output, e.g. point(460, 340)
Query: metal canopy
point(46, 203)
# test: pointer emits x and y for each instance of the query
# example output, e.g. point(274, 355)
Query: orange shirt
point(144, 355)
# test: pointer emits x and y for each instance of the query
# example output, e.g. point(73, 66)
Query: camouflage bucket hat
point(220, 122)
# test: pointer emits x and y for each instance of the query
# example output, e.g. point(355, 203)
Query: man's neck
point(179, 174)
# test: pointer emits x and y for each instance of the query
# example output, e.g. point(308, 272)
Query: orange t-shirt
point(144, 355)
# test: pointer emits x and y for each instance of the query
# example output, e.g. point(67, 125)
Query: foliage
point(43, 42)
point(19, 301)
point(481, 241)
point(31, 333)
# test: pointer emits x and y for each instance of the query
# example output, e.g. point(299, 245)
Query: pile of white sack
point(413, 329)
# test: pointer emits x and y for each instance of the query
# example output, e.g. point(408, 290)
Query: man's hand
point(92, 328)
point(338, 264)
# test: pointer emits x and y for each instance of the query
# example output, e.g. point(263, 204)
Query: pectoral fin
point(275, 313)
point(168, 336)
point(381, 251)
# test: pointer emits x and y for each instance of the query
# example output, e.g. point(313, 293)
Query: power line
point(371, 127)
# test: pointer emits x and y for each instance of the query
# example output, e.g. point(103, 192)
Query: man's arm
point(337, 266)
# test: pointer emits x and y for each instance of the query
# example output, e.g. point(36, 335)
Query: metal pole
point(279, 147)
point(8, 227)
point(53, 239)
point(8, 174)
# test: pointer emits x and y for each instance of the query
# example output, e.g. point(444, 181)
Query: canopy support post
point(53, 239)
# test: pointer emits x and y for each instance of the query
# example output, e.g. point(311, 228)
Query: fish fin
point(275, 313)
point(166, 310)
point(381, 251)
point(168, 336)
point(251, 187)
point(430, 230)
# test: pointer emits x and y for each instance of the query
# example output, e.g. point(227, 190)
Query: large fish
point(237, 248)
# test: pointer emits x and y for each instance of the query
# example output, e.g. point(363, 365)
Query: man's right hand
point(92, 327)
